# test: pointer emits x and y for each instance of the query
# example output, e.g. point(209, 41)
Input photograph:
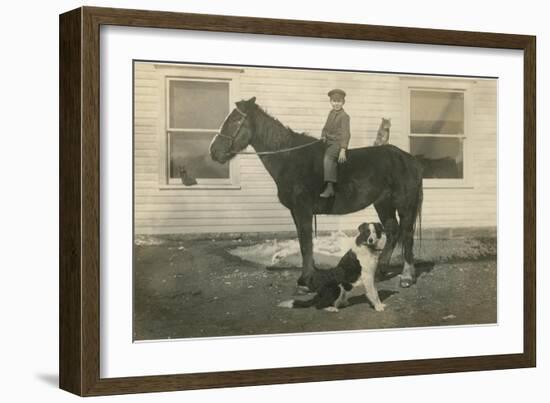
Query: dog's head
point(371, 235)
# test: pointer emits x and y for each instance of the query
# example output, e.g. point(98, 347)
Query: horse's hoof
point(305, 281)
point(302, 281)
point(405, 282)
point(301, 290)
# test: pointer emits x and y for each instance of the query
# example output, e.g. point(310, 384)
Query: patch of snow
point(275, 253)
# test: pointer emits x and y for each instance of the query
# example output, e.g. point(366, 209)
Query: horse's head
point(235, 133)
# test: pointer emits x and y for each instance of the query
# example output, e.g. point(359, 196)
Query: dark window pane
point(440, 157)
point(190, 151)
point(198, 104)
point(434, 112)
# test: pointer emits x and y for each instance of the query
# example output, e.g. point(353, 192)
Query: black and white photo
point(251, 185)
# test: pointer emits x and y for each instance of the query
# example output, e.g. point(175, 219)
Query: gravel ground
point(208, 288)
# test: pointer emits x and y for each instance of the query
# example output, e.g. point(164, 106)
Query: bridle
point(232, 138)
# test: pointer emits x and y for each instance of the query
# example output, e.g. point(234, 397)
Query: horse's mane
point(276, 135)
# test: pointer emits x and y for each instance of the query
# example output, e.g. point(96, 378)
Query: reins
point(283, 150)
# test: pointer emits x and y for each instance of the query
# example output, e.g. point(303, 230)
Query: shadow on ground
point(204, 289)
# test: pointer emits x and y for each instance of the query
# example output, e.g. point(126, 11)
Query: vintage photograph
point(276, 200)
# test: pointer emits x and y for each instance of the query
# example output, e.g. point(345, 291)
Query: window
point(437, 126)
point(196, 109)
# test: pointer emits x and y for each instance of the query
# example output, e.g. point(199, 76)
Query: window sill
point(200, 187)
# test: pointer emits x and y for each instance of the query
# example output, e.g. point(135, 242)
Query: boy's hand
point(342, 156)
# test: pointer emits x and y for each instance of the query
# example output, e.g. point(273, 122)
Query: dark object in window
point(191, 150)
point(440, 157)
point(443, 168)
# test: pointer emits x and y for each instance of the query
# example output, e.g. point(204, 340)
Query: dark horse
point(385, 176)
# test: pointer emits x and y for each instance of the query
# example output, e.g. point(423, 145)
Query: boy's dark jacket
point(337, 128)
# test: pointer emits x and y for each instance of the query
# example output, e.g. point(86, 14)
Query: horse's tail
point(415, 208)
point(419, 201)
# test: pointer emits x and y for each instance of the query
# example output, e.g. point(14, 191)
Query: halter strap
point(232, 137)
point(224, 135)
point(241, 112)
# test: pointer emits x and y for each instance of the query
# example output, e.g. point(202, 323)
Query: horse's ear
point(241, 105)
point(244, 106)
point(362, 227)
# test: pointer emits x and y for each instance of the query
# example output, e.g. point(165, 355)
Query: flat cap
point(337, 92)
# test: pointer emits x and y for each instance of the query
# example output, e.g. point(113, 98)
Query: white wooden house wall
point(298, 99)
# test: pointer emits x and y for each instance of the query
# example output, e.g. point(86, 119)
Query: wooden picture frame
point(80, 199)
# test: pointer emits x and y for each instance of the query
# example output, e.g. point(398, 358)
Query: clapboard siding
point(298, 99)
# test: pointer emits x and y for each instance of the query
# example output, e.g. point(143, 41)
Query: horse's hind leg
point(407, 220)
point(386, 214)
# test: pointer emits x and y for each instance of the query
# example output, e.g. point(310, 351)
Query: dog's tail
point(298, 303)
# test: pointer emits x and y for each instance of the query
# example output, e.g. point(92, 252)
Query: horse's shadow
point(362, 299)
point(387, 273)
point(393, 270)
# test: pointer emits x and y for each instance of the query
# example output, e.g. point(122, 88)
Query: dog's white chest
point(368, 262)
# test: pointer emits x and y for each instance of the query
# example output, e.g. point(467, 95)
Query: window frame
point(169, 73)
point(435, 85)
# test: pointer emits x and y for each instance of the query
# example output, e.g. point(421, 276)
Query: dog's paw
point(331, 309)
point(286, 304)
point(379, 307)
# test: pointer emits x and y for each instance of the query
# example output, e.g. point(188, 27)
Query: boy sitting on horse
point(336, 135)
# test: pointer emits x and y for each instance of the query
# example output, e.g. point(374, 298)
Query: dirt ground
point(207, 288)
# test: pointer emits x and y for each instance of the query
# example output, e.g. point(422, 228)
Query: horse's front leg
point(303, 220)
